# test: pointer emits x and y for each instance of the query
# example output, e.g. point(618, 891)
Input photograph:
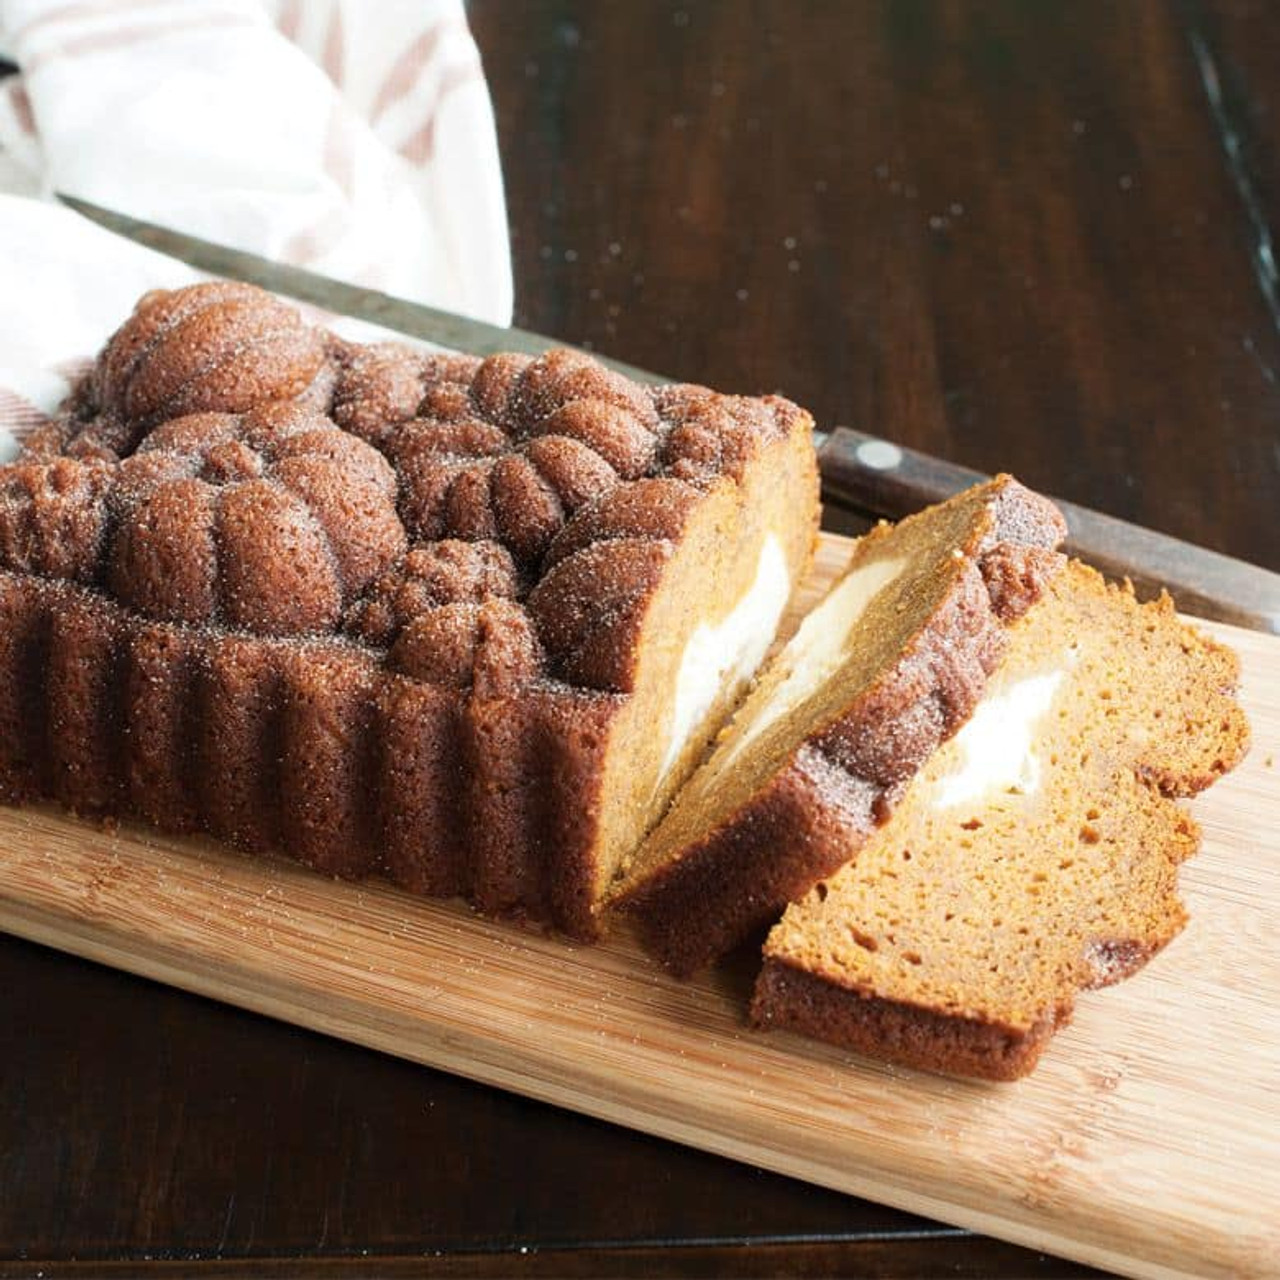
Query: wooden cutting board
point(1148, 1141)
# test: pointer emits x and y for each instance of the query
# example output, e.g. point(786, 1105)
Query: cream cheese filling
point(731, 649)
point(817, 650)
point(995, 747)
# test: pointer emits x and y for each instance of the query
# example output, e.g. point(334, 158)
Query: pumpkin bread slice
point(1035, 855)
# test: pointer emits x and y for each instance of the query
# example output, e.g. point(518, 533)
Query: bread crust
point(794, 1000)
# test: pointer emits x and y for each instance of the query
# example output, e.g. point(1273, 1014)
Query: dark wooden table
point(1029, 236)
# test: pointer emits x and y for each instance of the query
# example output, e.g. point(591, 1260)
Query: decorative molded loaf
point(467, 623)
point(889, 665)
point(1035, 855)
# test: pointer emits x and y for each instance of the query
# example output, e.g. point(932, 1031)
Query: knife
point(869, 474)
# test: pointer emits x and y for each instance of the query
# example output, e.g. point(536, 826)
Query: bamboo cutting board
point(1148, 1141)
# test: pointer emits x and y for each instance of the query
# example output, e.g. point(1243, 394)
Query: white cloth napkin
point(351, 137)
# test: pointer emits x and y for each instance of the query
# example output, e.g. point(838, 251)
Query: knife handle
point(889, 480)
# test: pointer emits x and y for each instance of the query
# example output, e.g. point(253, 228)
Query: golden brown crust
point(326, 770)
point(219, 347)
point(160, 761)
point(489, 647)
point(527, 446)
point(791, 999)
point(82, 696)
point(268, 521)
point(24, 658)
point(429, 576)
point(585, 606)
point(380, 386)
point(53, 517)
point(336, 599)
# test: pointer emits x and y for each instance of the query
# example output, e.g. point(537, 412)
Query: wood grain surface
point(1146, 1141)
point(1024, 236)
point(1010, 234)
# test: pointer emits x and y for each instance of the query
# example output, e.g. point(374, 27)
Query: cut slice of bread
point(1035, 855)
point(889, 665)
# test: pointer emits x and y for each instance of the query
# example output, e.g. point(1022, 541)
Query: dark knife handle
point(888, 480)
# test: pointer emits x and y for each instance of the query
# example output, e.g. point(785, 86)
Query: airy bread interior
point(1035, 854)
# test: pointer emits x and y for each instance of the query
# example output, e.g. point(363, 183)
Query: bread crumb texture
point(958, 937)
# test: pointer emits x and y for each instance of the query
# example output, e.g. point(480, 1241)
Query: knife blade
point(415, 319)
point(867, 473)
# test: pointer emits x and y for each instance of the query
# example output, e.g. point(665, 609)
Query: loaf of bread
point(886, 667)
point(1036, 854)
point(466, 623)
point(473, 624)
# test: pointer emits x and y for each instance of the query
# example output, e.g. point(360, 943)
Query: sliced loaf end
point(887, 666)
